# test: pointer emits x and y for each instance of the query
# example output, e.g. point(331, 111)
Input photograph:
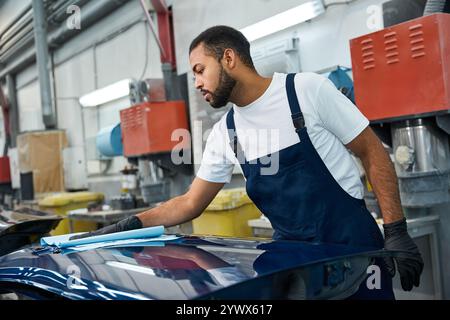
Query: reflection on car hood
point(195, 268)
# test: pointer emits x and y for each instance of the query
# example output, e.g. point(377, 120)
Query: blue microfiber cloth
point(64, 242)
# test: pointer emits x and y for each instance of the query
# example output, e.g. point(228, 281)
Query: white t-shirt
point(265, 126)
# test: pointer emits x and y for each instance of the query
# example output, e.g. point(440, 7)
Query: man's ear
point(229, 59)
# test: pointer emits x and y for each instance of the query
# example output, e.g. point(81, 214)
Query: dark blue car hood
point(194, 268)
point(24, 226)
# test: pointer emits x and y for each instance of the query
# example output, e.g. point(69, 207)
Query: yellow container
point(227, 215)
point(61, 203)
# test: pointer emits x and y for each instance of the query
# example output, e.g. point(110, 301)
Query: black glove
point(410, 267)
point(129, 223)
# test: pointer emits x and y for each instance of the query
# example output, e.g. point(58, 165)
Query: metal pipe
point(24, 20)
point(58, 7)
point(60, 15)
point(152, 27)
point(22, 61)
point(18, 28)
point(12, 23)
point(4, 103)
point(25, 37)
point(40, 40)
point(92, 12)
point(23, 25)
point(14, 112)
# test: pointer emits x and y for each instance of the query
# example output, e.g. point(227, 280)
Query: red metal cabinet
point(5, 172)
point(147, 128)
point(404, 69)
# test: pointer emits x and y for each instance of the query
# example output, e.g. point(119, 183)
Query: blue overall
point(304, 202)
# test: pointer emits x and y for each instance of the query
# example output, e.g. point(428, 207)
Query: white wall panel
point(74, 78)
point(125, 56)
point(30, 113)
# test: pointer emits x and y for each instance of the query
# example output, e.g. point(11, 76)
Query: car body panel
point(194, 268)
point(24, 226)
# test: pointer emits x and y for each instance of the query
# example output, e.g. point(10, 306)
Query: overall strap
point(234, 143)
point(296, 112)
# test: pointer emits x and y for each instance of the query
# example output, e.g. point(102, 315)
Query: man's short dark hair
point(219, 38)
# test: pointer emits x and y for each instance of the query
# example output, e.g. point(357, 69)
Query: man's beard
point(221, 96)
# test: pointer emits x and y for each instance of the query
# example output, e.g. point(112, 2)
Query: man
point(305, 180)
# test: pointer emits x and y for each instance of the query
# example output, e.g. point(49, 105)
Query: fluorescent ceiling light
point(284, 20)
point(107, 94)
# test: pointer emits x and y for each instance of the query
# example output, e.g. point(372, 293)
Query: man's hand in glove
point(410, 267)
point(129, 223)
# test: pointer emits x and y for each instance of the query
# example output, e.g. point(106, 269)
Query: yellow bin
point(227, 215)
point(61, 203)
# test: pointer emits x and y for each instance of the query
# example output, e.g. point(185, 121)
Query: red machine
point(402, 84)
point(403, 70)
point(147, 128)
point(5, 173)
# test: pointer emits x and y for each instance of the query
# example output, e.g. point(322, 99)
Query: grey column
point(40, 39)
